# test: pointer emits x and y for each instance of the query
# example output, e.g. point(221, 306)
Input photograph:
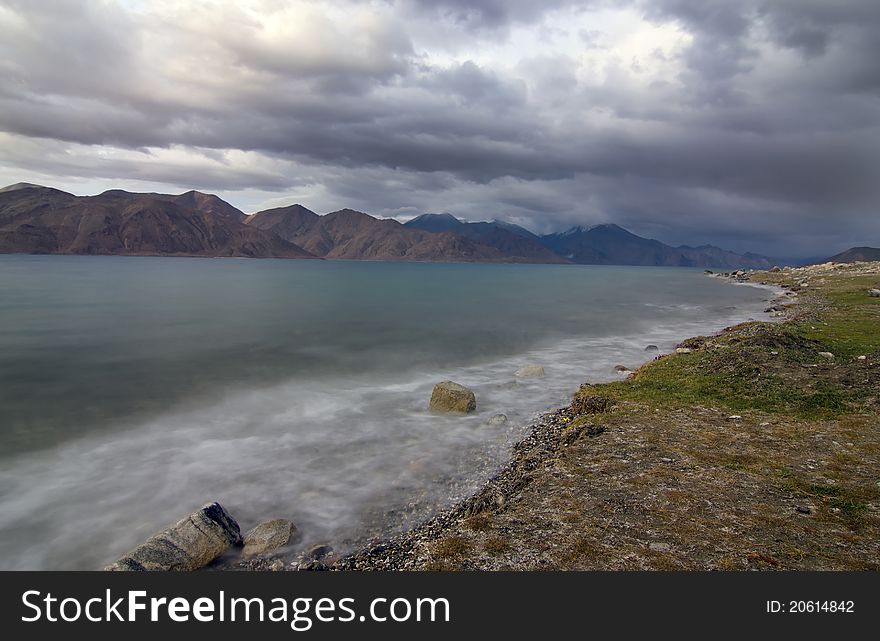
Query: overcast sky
point(751, 124)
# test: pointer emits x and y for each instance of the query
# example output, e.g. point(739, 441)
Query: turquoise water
point(133, 390)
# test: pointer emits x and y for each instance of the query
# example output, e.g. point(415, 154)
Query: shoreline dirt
point(778, 467)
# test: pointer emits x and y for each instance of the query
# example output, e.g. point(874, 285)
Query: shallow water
point(133, 390)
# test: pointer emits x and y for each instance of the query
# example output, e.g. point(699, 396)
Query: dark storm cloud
point(487, 14)
point(769, 124)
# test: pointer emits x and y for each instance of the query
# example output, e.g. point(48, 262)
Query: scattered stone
point(452, 397)
point(827, 355)
point(652, 348)
point(269, 536)
point(803, 509)
point(734, 417)
point(314, 559)
point(530, 371)
point(498, 419)
point(863, 358)
point(774, 353)
point(189, 544)
point(318, 552)
point(775, 269)
point(874, 293)
point(659, 547)
point(683, 350)
point(621, 368)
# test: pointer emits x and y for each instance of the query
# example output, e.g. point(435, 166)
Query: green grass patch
point(772, 368)
point(726, 377)
point(849, 321)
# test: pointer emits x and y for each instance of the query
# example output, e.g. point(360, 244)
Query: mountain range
point(353, 235)
point(42, 220)
point(37, 219)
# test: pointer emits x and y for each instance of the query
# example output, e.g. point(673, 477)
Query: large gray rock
point(875, 293)
point(189, 544)
point(452, 397)
point(530, 371)
point(269, 536)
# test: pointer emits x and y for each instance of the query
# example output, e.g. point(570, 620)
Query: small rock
point(318, 552)
point(269, 536)
point(652, 348)
point(774, 353)
point(452, 397)
point(874, 293)
point(803, 509)
point(827, 355)
point(530, 371)
point(775, 269)
point(764, 424)
point(683, 350)
point(734, 417)
point(863, 358)
point(498, 419)
point(621, 368)
point(659, 547)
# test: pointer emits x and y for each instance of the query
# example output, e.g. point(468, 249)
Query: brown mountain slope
point(353, 235)
point(855, 255)
point(192, 199)
point(287, 222)
point(512, 240)
point(43, 220)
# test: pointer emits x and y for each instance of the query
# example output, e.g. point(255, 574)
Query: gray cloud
point(759, 119)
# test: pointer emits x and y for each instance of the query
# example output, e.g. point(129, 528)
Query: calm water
point(133, 390)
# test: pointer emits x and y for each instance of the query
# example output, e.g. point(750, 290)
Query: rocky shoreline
point(553, 432)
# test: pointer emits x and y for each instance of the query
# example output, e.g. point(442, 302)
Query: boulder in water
point(189, 544)
point(530, 371)
point(269, 536)
point(452, 397)
point(498, 419)
point(652, 348)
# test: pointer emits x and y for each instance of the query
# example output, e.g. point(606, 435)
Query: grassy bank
point(756, 448)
